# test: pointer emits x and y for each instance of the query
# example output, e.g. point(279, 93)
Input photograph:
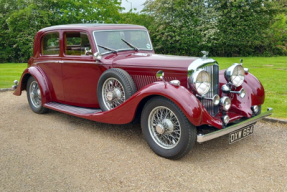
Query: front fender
point(255, 95)
point(39, 75)
point(125, 113)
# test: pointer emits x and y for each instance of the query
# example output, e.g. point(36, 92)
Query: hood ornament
point(205, 53)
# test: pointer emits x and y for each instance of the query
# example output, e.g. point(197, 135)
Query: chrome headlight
point(225, 103)
point(235, 75)
point(201, 82)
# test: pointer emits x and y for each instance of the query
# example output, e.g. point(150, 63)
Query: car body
point(110, 73)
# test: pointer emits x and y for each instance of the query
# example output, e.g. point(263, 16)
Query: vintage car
point(110, 73)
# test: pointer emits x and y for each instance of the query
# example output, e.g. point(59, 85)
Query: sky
point(135, 4)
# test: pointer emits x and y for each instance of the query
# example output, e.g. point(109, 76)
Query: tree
point(242, 27)
point(21, 19)
point(177, 25)
point(223, 27)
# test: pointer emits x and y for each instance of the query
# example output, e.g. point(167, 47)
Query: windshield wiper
point(130, 45)
point(108, 49)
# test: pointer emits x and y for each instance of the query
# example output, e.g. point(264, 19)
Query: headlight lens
point(235, 75)
point(201, 81)
point(225, 103)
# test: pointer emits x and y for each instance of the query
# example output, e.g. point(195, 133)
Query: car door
point(49, 60)
point(80, 70)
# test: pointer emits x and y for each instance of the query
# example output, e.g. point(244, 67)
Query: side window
point(50, 44)
point(76, 43)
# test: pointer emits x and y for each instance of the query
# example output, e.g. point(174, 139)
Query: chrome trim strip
point(67, 61)
point(46, 61)
point(202, 138)
point(80, 62)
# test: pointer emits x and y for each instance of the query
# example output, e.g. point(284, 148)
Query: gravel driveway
point(60, 152)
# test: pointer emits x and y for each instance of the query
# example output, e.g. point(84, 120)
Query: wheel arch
point(40, 77)
point(185, 100)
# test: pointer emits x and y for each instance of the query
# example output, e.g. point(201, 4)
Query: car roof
point(93, 27)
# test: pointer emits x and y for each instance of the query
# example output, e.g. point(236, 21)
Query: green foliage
point(277, 35)
point(242, 27)
point(136, 18)
point(225, 28)
point(178, 25)
point(21, 19)
point(181, 27)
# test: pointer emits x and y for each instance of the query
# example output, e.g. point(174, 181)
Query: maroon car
point(110, 74)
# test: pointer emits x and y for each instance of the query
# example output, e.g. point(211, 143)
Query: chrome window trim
point(123, 49)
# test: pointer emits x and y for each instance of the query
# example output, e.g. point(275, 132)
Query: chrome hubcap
point(110, 96)
point(164, 127)
point(35, 94)
point(113, 93)
point(159, 129)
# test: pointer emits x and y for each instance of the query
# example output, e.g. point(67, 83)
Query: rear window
point(50, 44)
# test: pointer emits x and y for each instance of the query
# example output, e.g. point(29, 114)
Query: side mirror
point(88, 51)
point(97, 56)
point(160, 75)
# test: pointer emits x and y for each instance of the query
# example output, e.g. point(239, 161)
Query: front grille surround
point(211, 66)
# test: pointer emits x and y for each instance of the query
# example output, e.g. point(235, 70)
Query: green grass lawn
point(10, 72)
point(271, 71)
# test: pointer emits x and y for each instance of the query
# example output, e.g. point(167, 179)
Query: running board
point(71, 109)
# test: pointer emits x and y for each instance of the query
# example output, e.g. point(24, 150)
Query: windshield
point(113, 40)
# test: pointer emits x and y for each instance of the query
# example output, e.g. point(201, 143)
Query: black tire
point(35, 108)
point(120, 75)
point(188, 131)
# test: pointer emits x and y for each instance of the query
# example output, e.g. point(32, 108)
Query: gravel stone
point(59, 152)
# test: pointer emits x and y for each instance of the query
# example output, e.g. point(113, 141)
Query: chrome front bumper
point(202, 138)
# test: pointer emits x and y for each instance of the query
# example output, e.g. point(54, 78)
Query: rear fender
point(39, 75)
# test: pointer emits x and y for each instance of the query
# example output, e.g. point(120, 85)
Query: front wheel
point(166, 129)
point(34, 96)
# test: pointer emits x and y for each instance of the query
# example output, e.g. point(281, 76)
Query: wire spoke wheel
point(115, 86)
point(164, 127)
point(113, 93)
point(35, 94)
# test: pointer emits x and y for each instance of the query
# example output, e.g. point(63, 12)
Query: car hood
point(157, 61)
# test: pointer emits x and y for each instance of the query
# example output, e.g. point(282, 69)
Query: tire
point(115, 86)
point(181, 138)
point(33, 92)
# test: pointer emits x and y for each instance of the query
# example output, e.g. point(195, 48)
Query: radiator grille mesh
point(213, 70)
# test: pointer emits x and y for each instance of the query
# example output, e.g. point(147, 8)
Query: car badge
point(205, 53)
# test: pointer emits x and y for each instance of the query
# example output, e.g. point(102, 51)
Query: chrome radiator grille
point(213, 70)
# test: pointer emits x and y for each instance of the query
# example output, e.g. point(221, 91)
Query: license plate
point(241, 133)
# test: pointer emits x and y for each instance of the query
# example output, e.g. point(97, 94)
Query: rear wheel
point(166, 129)
point(34, 96)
